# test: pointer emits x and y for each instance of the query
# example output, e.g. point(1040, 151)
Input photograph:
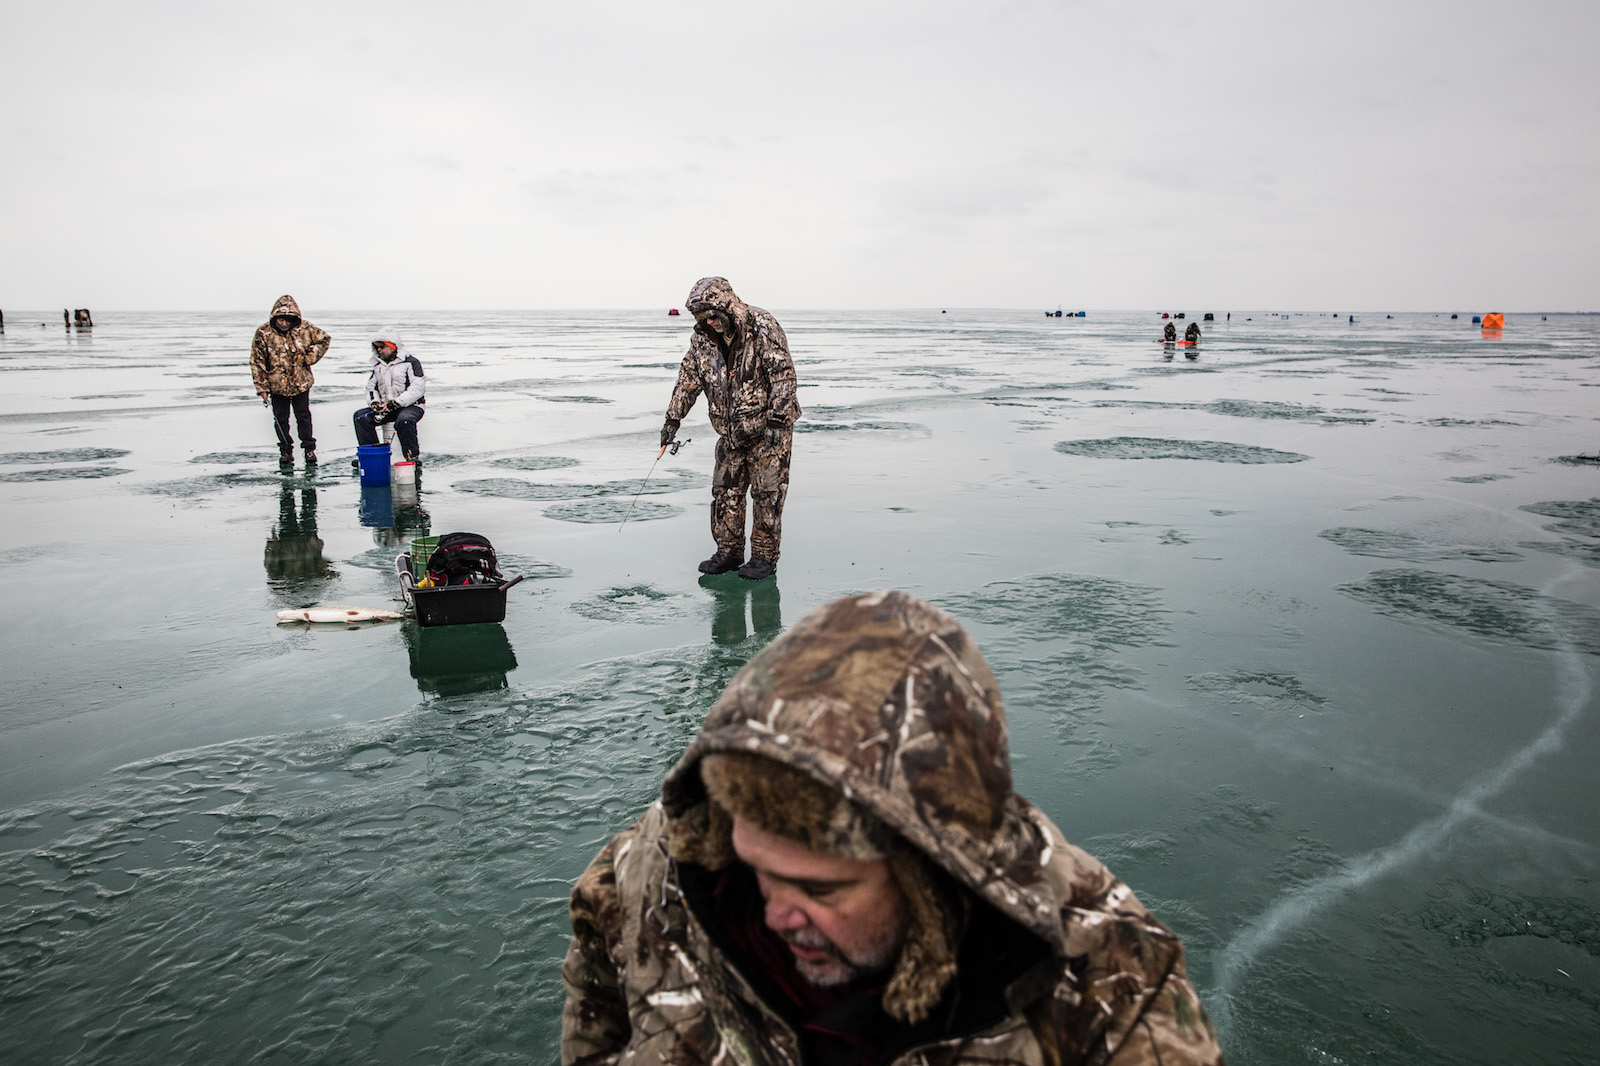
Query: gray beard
point(840, 969)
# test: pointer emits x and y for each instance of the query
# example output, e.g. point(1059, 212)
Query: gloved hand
point(378, 406)
point(390, 407)
point(669, 429)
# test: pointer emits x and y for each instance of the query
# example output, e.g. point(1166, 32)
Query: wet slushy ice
point(1299, 636)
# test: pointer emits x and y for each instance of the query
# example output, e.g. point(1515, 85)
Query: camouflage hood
point(286, 306)
point(715, 294)
point(885, 699)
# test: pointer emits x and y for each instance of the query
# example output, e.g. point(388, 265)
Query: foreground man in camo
point(739, 358)
point(838, 873)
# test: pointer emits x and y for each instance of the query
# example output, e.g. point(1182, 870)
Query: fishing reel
point(675, 445)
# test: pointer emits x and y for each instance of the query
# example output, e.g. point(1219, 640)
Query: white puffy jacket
point(399, 380)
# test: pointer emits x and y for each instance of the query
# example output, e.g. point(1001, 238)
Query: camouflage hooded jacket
point(280, 363)
point(749, 388)
point(885, 699)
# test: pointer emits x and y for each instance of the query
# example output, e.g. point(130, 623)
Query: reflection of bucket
point(374, 460)
point(376, 510)
point(405, 473)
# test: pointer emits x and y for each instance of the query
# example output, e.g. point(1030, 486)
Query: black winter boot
point(721, 563)
point(757, 568)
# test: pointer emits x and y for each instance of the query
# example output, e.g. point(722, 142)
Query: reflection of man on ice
point(739, 358)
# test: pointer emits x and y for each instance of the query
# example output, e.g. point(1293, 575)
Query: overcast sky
point(405, 155)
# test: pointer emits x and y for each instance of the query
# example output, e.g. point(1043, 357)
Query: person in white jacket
point(395, 394)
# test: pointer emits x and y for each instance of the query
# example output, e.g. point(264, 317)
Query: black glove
point(669, 430)
point(390, 407)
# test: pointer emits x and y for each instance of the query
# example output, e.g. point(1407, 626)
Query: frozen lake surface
point(1299, 636)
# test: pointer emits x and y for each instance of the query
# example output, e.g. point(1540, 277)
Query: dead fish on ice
point(339, 614)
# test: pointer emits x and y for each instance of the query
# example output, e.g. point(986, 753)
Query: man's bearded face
point(842, 919)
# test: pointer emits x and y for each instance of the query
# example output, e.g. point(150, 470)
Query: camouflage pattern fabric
point(763, 471)
point(748, 387)
point(885, 699)
point(750, 392)
point(280, 363)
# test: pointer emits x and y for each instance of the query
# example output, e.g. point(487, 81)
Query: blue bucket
point(374, 460)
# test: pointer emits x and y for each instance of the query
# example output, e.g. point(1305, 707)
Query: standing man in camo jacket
point(739, 358)
point(281, 355)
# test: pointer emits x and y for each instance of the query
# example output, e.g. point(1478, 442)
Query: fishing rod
point(675, 445)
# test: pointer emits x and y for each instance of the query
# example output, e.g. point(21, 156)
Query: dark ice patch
point(1296, 412)
point(1067, 689)
point(1227, 811)
point(1264, 689)
point(1478, 479)
point(1163, 448)
point(61, 455)
point(199, 487)
point(1096, 611)
point(1449, 422)
point(575, 399)
point(236, 457)
point(535, 462)
point(638, 604)
point(675, 480)
point(1396, 544)
point(37, 553)
point(513, 563)
point(1543, 941)
point(1495, 610)
point(604, 511)
point(1578, 517)
point(1279, 409)
point(1585, 551)
point(809, 426)
point(63, 473)
point(1577, 460)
